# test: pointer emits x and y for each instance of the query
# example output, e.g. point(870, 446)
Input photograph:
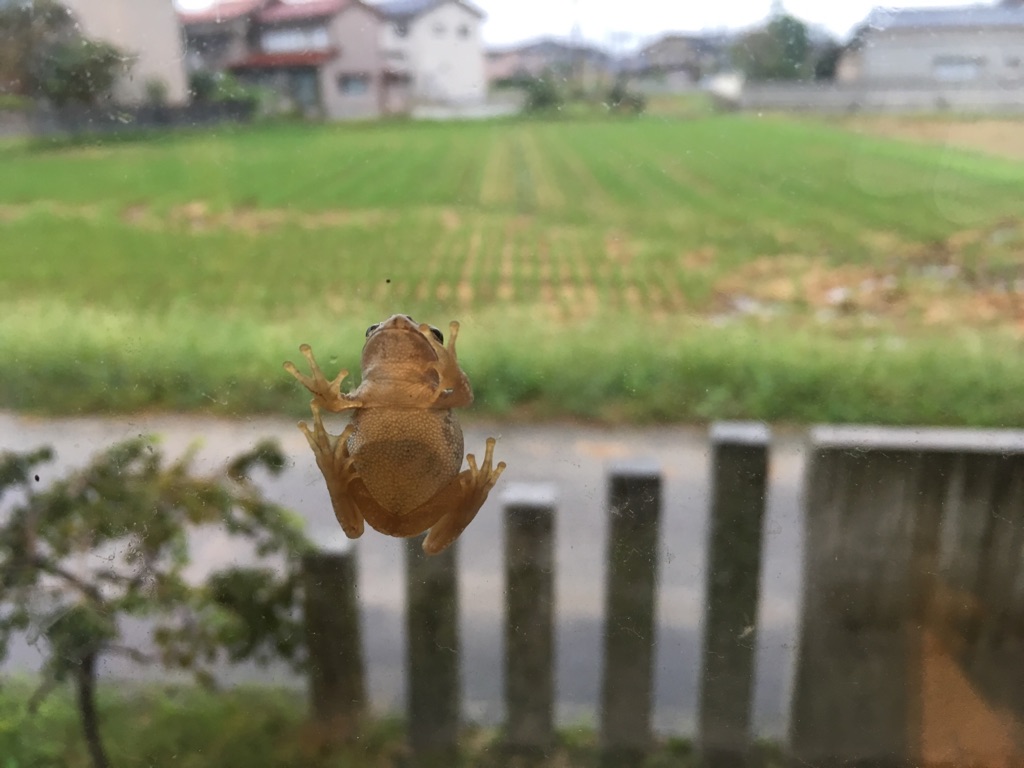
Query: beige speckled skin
point(396, 465)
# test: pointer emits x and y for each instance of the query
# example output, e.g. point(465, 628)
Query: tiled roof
point(404, 9)
point(310, 9)
point(931, 18)
point(223, 10)
point(282, 60)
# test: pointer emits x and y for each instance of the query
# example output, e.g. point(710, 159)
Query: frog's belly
point(405, 456)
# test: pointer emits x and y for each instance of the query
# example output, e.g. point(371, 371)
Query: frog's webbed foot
point(326, 394)
point(338, 469)
point(473, 486)
point(453, 389)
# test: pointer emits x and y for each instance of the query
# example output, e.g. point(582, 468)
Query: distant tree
point(826, 59)
point(44, 55)
point(111, 542)
point(81, 72)
point(543, 94)
point(202, 86)
point(778, 51)
point(621, 99)
point(28, 31)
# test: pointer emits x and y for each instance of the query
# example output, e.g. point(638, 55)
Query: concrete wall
point(147, 29)
point(853, 97)
point(355, 33)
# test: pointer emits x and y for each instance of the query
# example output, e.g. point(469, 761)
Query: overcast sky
point(622, 21)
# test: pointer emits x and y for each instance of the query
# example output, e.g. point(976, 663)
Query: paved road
point(573, 459)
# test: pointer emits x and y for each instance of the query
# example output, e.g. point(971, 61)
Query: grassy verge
point(252, 727)
point(641, 270)
point(84, 360)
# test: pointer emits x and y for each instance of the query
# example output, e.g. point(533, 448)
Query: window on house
point(354, 84)
point(402, 28)
point(958, 69)
point(463, 30)
point(295, 39)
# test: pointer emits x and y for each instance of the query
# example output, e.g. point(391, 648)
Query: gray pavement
point(570, 457)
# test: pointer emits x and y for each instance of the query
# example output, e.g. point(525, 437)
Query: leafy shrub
point(83, 71)
point(206, 87)
point(542, 95)
point(620, 99)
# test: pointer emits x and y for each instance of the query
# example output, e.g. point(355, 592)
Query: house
point(321, 57)
point(980, 44)
point(684, 57)
point(149, 32)
point(586, 64)
point(218, 35)
point(438, 46)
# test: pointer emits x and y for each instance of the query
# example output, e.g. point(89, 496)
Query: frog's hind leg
point(446, 514)
point(473, 486)
point(338, 469)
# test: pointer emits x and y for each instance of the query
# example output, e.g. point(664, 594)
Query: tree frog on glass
point(396, 465)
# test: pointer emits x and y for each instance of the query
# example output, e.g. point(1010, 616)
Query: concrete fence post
point(433, 698)
point(627, 683)
point(337, 684)
point(529, 620)
point(739, 460)
point(873, 508)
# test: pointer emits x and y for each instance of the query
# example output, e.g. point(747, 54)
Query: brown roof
point(222, 10)
point(309, 9)
point(285, 60)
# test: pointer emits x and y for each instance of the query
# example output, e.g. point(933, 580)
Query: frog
point(397, 463)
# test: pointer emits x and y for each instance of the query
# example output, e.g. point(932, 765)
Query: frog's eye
point(437, 335)
point(371, 329)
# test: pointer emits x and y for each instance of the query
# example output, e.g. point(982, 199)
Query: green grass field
point(642, 270)
point(153, 725)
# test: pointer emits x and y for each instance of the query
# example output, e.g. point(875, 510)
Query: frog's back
point(405, 455)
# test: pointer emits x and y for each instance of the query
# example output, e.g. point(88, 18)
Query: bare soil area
point(996, 136)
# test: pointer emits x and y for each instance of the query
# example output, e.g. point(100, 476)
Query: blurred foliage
point(543, 94)
point(259, 727)
point(80, 72)
point(156, 92)
point(621, 99)
point(44, 55)
point(205, 87)
point(111, 542)
point(14, 102)
point(778, 51)
point(826, 60)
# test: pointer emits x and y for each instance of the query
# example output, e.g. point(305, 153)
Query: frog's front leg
point(338, 469)
point(453, 389)
point(326, 394)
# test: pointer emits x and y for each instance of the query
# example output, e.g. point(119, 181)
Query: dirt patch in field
point(1003, 137)
point(936, 287)
point(198, 216)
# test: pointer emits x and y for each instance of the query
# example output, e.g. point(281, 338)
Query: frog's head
point(400, 343)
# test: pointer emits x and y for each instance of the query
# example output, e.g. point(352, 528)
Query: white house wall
point(354, 33)
point(911, 55)
point(445, 67)
point(147, 29)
